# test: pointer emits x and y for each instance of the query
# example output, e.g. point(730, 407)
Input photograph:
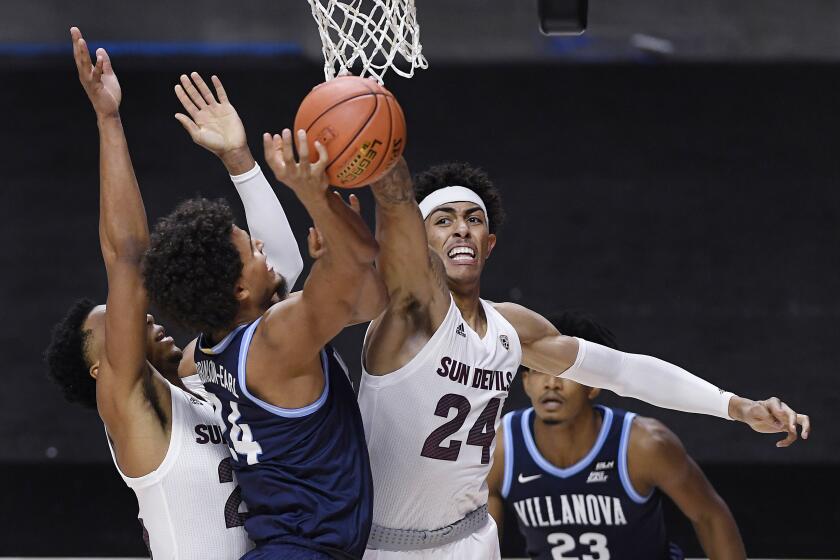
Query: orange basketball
point(361, 125)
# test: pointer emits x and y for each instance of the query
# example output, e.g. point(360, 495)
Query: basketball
point(361, 125)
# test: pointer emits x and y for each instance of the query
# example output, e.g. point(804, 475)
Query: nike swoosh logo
point(524, 479)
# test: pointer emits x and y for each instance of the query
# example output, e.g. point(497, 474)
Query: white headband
point(454, 193)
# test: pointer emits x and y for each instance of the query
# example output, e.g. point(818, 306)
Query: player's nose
point(149, 319)
point(462, 229)
point(553, 382)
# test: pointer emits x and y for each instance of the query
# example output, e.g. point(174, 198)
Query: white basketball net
point(378, 34)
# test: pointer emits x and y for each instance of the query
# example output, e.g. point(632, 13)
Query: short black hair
point(68, 362)
point(581, 325)
point(191, 267)
point(464, 175)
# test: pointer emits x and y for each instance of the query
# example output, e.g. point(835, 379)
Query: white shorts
point(481, 545)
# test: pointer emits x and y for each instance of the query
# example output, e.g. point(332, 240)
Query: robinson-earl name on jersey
point(209, 372)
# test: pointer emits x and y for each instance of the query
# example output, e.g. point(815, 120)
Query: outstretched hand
point(771, 416)
point(212, 123)
point(304, 178)
point(99, 80)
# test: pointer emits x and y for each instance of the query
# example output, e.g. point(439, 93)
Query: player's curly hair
point(192, 265)
point(464, 175)
point(68, 362)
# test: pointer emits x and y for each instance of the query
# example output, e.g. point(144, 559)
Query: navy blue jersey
point(588, 510)
point(304, 473)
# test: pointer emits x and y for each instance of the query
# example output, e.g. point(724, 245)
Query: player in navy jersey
point(287, 406)
point(586, 479)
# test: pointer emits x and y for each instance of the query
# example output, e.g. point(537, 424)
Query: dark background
point(691, 208)
point(689, 202)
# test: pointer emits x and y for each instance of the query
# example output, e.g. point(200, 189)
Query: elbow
point(127, 249)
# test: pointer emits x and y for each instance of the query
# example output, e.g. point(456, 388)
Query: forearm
point(238, 160)
point(404, 259)
point(496, 508)
point(123, 228)
point(719, 537)
point(344, 233)
point(395, 189)
point(646, 378)
point(267, 220)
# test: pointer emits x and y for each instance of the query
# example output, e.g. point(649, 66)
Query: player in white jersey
point(165, 442)
point(438, 364)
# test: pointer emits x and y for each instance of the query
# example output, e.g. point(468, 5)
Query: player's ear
point(593, 393)
point(94, 369)
point(240, 292)
point(491, 242)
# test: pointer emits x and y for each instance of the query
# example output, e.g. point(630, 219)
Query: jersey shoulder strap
point(512, 432)
point(623, 471)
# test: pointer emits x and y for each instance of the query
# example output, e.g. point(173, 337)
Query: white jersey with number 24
point(431, 425)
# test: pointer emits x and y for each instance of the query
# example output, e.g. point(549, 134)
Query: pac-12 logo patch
point(505, 342)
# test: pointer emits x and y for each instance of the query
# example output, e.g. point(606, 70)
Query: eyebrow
point(450, 210)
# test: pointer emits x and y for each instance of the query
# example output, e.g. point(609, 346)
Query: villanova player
point(586, 480)
point(288, 408)
point(166, 443)
point(439, 362)
point(215, 125)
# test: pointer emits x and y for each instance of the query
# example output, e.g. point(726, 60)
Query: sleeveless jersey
point(304, 472)
point(431, 425)
point(588, 510)
point(189, 504)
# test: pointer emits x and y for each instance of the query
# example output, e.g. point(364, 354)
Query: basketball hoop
point(377, 34)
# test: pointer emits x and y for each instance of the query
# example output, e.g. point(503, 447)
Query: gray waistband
point(384, 538)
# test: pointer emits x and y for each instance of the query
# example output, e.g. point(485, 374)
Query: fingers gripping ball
point(361, 125)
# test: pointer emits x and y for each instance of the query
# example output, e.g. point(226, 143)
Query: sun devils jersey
point(431, 425)
point(588, 510)
point(304, 472)
point(189, 506)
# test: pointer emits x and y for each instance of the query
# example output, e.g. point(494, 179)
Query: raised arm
point(213, 123)
point(123, 236)
point(331, 293)
point(657, 458)
point(642, 377)
point(413, 275)
point(407, 265)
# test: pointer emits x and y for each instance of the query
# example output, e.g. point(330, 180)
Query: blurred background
point(672, 172)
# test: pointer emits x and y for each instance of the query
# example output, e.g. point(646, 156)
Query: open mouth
point(160, 335)
point(462, 254)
